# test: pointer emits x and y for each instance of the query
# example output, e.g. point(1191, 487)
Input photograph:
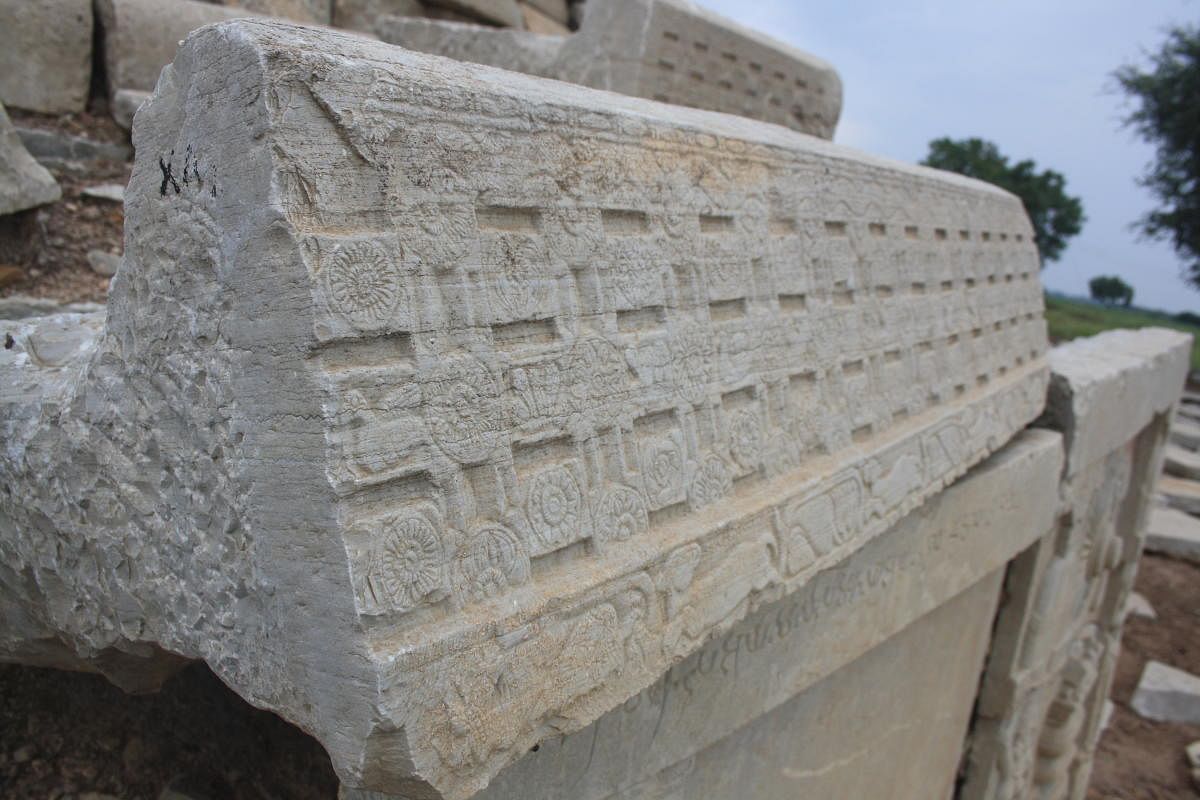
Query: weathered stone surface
point(24, 183)
point(125, 104)
point(365, 15)
point(1139, 606)
point(313, 12)
point(63, 151)
point(537, 22)
point(141, 36)
point(783, 649)
point(1181, 462)
point(1058, 631)
point(46, 54)
point(659, 49)
point(1185, 434)
point(510, 394)
point(1174, 533)
point(497, 12)
point(1179, 493)
point(1167, 694)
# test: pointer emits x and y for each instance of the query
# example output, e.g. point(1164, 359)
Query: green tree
point(1056, 216)
point(1110, 290)
point(1166, 113)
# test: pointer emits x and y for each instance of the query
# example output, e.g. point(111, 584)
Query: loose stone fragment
point(45, 55)
point(1181, 462)
point(74, 153)
point(663, 50)
point(1139, 606)
point(1185, 433)
point(1174, 533)
point(473, 402)
point(111, 192)
point(1166, 694)
point(24, 183)
point(103, 263)
point(125, 104)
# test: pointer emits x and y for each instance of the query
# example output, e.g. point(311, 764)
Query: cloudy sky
point(1031, 75)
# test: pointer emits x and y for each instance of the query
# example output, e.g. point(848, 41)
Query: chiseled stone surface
point(24, 183)
point(141, 36)
point(1167, 694)
point(780, 651)
point(509, 394)
point(45, 54)
point(1059, 628)
point(1174, 533)
point(663, 50)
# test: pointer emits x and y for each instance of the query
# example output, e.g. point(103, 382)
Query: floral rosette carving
point(493, 561)
point(519, 277)
point(662, 470)
point(620, 514)
point(745, 439)
point(408, 564)
point(363, 285)
point(449, 232)
point(462, 408)
point(554, 507)
point(692, 358)
point(712, 482)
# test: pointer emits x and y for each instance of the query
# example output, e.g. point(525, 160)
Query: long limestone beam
point(442, 409)
point(666, 50)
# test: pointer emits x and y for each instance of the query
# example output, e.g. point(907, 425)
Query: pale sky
point(1031, 75)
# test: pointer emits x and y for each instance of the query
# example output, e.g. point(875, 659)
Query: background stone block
point(46, 55)
point(24, 183)
point(1166, 694)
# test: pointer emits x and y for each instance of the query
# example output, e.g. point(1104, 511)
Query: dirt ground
point(1138, 759)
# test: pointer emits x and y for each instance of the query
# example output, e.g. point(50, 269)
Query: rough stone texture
point(497, 12)
point(781, 650)
point(59, 150)
point(46, 54)
point(365, 15)
point(313, 12)
point(1180, 493)
point(1059, 628)
point(141, 36)
point(1181, 462)
point(508, 394)
point(24, 183)
point(125, 104)
point(1174, 533)
point(659, 49)
point(1185, 434)
point(1166, 694)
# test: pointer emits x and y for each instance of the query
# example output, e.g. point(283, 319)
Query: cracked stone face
point(442, 410)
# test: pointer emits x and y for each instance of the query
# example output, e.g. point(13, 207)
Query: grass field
point(1069, 319)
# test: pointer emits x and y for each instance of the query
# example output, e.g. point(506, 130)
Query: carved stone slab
point(443, 409)
point(784, 649)
point(1058, 631)
point(665, 50)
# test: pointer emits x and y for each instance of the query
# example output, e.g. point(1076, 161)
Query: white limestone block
point(1166, 694)
point(125, 103)
point(24, 183)
point(1139, 606)
point(1174, 533)
point(46, 55)
point(442, 410)
point(665, 50)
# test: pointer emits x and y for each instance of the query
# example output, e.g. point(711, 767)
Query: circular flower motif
point(493, 561)
point(462, 408)
point(449, 229)
point(409, 561)
point(554, 506)
point(620, 515)
point(362, 282)
point(745, 438)
point(692, 358)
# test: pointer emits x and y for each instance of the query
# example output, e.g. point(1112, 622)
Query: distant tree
point(1166, 113)
point(1110, 290)
point(1056, 216)
point(1189, 317)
